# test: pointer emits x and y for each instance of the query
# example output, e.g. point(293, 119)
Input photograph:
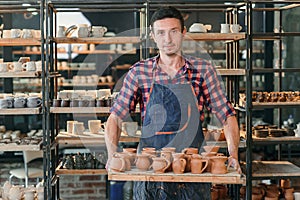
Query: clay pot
point(130, 150)
point(222, 190)
point(218, 165)
point(142, 162)
point(289, 193)
point(126, 158)
point(256, 196)
point(167, 155)
point(211, 148)
point(117, 164)
point(285, 183)
point(214, 194)
point(190, 150)
point(188, 158)
point(15, 193)
point(179, 162)
point(160, 164)
point(198, 165)
point(207, 156)
point(172, 149)
point(149, 149)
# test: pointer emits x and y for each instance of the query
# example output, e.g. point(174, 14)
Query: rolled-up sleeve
point(216, 99)
point(127, 98)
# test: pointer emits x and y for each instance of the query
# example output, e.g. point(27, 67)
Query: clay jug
point(198, 165)
point(172, 149)
point(218, 165)
point(130, 150)
point(167, 155)
point(117, 164)
point(15, 193)
point(142, 162)
point(190, 150)
point(188, 155)
point(5, 190)
point(207, 156)
point(179, 162)
point(160, 164)
point(126, 158)
point(222, 190)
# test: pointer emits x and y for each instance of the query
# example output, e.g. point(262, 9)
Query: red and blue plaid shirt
point(205, 81)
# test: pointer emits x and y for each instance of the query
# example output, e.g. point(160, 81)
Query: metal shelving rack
point(21, 6)
point(52, 8)
point(274, 170)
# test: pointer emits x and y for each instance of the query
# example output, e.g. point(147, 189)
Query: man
point(173, 90)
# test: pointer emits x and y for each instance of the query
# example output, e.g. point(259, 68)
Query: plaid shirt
point(204, 79)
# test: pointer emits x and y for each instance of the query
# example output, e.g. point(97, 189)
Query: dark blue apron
point(172, 119)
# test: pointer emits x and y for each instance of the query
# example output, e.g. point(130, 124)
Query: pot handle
point(205, 166)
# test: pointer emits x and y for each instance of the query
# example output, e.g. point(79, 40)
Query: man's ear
point(184, 30)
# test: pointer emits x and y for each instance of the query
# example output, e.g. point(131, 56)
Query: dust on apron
point(172, 119)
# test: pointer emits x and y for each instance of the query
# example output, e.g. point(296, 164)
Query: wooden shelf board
point(16, 147)
point(27, 52)
point(23, 74)
point(275, 104)
point(231, 72)
point(81, 172)
point(215, 36)
point(20, 111)
point(278, 169)
point(76, 69)
point(223, 144)
point(80, 110)
point(86, 85)
point(88, 139)
point(20, 41)
point(132, 51)
point(232, 177)
point(277, 139)
point(103, 40)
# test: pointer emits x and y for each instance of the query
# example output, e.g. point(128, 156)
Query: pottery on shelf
point(160, 164)
point(179, 162)
point(142, 162)
point(198, 165)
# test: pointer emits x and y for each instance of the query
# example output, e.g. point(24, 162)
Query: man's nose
point(168, 37)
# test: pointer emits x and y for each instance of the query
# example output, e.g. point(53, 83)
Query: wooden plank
point(277, 169)
point(86, 84)
point(20, 42)
point(231, 72)
point(276, 139)
point(232, 177)
point(20, 111)
point(88, 139)
point(23, 74)
point(215, 36)
point(81, 172)
point(16, 147)
point(80, 110)
point(103, 40)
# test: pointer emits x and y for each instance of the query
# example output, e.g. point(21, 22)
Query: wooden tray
point(262, 169)
point(232, 177)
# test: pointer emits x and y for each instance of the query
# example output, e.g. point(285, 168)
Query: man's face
point(168, 35)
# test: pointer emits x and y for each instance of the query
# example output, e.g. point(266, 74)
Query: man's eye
point(174, 31)
point(160, 33)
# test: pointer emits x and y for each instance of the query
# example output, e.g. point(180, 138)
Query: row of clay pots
point(189, 160)
point(269, 192)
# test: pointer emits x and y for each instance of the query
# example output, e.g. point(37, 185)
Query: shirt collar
point(187, 66)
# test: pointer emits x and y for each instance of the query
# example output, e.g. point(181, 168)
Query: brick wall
point(87, 187)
